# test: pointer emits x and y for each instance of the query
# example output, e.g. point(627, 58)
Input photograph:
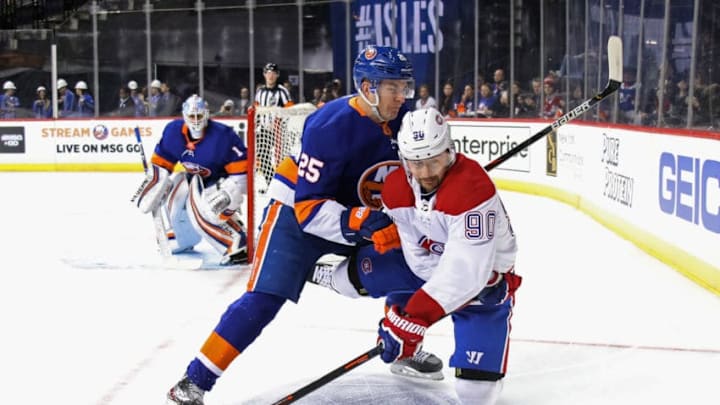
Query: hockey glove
point(224, 195)
point(401, 335)
point(153, 190)
point(362, 225)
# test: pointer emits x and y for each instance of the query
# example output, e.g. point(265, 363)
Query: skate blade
point(406, 371)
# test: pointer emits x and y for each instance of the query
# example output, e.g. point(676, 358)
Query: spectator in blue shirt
point(85, 102)
point(66, 99)
point(8, 101)
point(42, 107)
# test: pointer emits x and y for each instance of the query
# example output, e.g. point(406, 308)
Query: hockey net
point(273, 133)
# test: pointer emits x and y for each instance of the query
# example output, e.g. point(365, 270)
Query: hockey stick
point(158, 225)
point(614, 81)
point(350, 365)
point(615, 67)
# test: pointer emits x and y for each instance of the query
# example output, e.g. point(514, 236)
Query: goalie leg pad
point(182, 235)
point(221, 236)
point(154, 189)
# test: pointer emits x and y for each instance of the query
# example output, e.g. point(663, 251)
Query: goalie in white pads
point(459, 252)
point(203, 201)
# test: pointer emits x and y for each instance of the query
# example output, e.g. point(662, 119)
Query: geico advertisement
point(689, 189)
point(487, 143)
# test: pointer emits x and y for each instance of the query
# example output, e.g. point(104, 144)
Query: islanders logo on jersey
point(371, 182)
point(194, 168)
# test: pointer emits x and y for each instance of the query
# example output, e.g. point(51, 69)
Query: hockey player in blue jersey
point(325, 202)
point(203, 200)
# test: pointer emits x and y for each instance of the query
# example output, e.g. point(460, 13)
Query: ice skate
point(237, 252)
point(185, 392)
point(239, 256)
point(423, 365)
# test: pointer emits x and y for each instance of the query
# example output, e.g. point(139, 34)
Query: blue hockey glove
point(362, 225)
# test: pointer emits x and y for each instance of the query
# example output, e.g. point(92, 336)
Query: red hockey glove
point(362, 224)
point(401, 335)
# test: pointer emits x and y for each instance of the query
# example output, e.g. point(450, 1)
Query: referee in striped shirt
point(272, 94)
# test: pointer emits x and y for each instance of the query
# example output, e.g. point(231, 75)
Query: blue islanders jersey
point(343, 162)
point(217, 154)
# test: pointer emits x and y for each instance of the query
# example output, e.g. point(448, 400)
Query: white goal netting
point(273, 133)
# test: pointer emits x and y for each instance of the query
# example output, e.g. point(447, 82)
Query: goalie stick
point(615, 62)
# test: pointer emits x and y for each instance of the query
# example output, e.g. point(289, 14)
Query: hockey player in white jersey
point(459, 252)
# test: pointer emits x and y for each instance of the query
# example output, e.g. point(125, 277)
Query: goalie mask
point(195, 114)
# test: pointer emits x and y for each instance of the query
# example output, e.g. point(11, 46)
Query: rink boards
point(659, 189)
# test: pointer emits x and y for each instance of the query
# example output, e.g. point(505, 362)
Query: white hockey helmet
point(61, 83)
point(132, 85)
point(195, 113)
point(8, 85)
point(81, 85)
point(424, 134)
point(155, 84)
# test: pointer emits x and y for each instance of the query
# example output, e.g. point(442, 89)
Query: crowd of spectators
point(77, 101)
point(552, 96)
point(539, 98)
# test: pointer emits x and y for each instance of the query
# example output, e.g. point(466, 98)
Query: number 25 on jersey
point(309, 168)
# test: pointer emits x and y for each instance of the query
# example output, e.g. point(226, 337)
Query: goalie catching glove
point(217, 203)
point(153, 190)
point(362, 225)
point(401, 335)
point(226, 194)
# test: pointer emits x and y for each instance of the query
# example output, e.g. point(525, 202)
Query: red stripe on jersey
point(422, 306)
point(465, 186)
point(396, 192)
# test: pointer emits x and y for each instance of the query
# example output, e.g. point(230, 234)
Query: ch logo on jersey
point(194, 168)
point(371, 183)
point(436, 248)
point(474, 357)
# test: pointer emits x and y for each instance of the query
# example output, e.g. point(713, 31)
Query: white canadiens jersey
point(456, 238)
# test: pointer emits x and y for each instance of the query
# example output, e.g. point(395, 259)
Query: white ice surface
point(86, 316)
